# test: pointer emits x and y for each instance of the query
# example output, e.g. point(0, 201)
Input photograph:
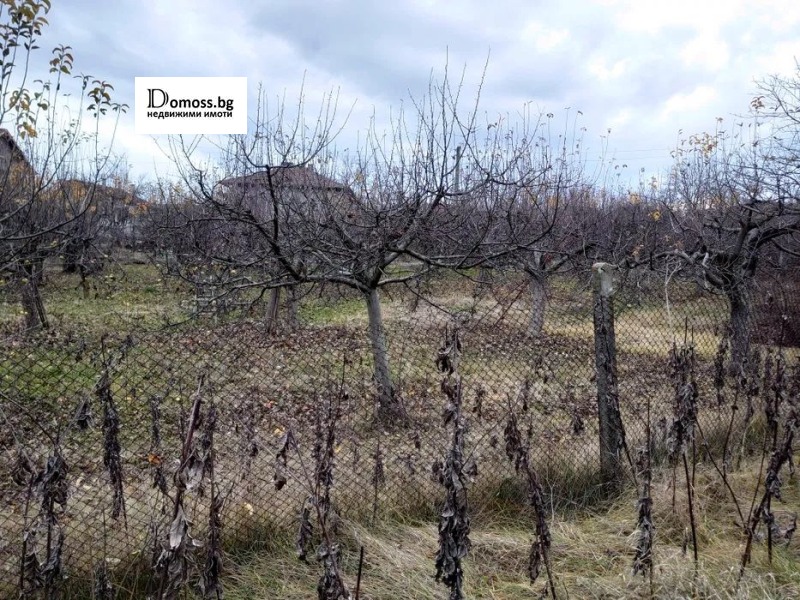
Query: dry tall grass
point(592, 552)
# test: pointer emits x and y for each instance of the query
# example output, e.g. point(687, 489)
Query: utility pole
point(458, 169)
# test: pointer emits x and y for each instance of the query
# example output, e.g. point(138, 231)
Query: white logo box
point(191, 105)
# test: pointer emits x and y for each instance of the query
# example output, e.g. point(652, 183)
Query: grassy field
point(266, 385)
point(123, 297)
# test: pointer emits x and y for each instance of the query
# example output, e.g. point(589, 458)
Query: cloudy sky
point(644, 69)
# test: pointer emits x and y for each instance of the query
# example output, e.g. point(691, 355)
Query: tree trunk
point(739, 327)
point(72, 253)
point(32, 304)
point(291, 307)
point(84, 282)
point(483, 282)
point(271, 317)
point(538, 304)
point(388, 408)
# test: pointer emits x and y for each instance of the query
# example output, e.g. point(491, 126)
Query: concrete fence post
point(612, 438)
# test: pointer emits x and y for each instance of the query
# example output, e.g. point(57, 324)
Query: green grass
point(339, 312)
point(46, 374)
point(122, 297)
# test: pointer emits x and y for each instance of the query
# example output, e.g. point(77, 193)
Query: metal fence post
point(605, 353)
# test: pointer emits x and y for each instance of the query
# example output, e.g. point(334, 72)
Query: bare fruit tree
point(37, 150)
point(731, 198)
point(285, 209)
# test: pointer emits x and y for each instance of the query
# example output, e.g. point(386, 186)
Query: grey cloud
point(381, 47)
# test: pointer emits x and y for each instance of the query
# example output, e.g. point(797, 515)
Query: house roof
point(80, 187)
point(294, 177)
point(16, 151)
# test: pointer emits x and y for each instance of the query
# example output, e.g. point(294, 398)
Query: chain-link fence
point(117, 406)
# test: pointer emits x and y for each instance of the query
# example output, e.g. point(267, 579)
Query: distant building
point(292, 185)
point(9, 150)
point(14, 165)
point(113, 211)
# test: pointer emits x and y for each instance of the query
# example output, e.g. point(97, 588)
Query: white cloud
point(781, 59)
point(699, 98)
point(653, 16)
point(600, 69)
point(706, 50)
point(620, 119)
point(542, 37)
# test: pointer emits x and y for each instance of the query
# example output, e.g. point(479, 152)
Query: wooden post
point(612, 440)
